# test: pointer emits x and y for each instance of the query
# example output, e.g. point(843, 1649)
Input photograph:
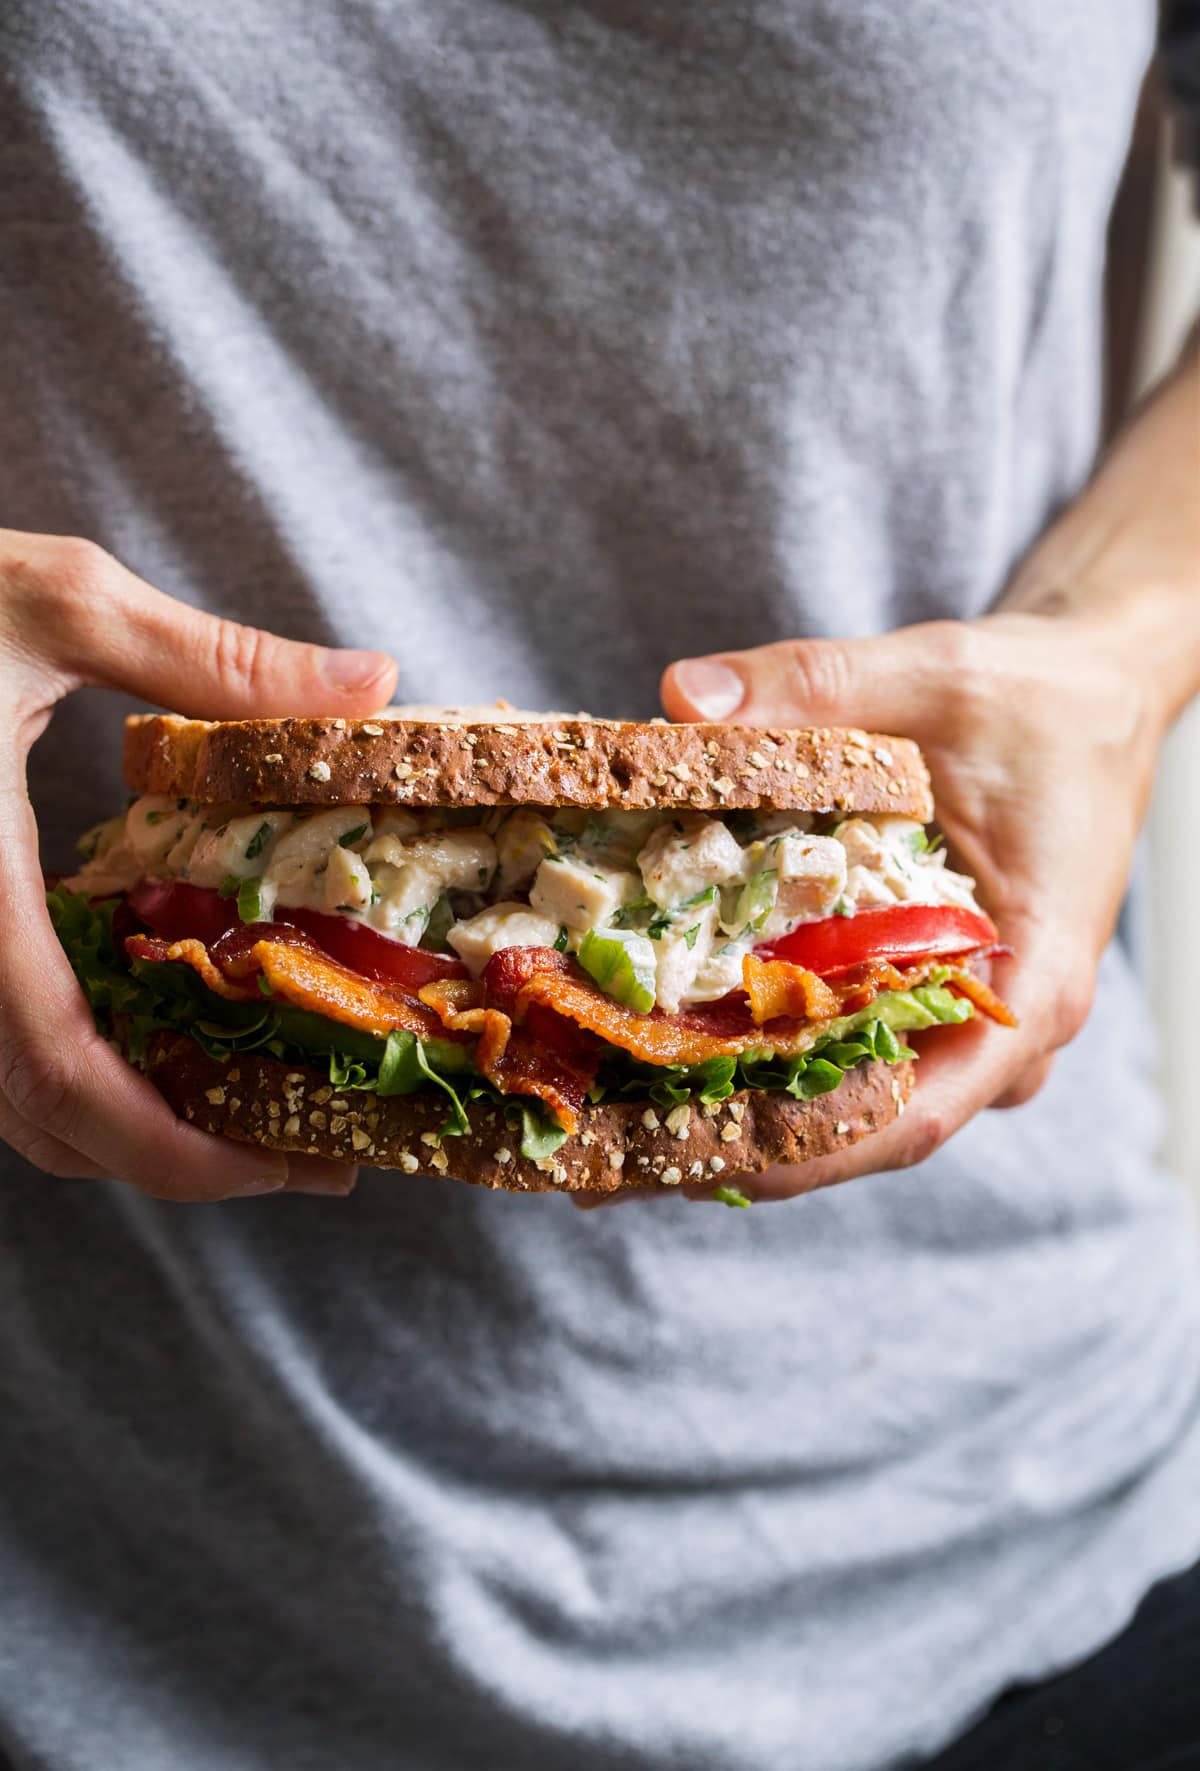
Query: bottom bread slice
point(620, 1143)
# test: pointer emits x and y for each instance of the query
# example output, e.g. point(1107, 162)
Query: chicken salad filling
point(660, 908)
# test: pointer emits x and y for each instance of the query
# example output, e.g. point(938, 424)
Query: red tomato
point(893, 931)
point(374, 955)
point(175, 910)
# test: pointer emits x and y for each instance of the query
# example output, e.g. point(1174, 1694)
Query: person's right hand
point(69, 616)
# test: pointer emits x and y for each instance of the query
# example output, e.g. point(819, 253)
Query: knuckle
point(1071, 1007)
point(1027, 1085)
point(819, 673)
point(53, 588)
point(74, 577)
point(53, 1158)
point(38, 1088)
point(925, 1132)
point(237, 655)
point(962, 658)
point(958, 645)
point(77, 564)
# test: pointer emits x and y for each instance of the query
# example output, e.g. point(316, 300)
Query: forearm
point(1127, 553)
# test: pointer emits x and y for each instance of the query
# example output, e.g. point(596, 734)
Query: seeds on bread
point(524, 759)
point(260, 1100)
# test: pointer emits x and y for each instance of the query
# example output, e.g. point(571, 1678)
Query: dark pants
point(1134, 1706)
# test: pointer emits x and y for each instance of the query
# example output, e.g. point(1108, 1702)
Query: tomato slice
point(892, 931)
point(374, 955)
point(175, 910)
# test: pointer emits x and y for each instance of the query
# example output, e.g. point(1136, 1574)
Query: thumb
point(114, 630)
point(889, 682)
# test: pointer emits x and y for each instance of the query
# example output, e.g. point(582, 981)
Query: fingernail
point(347, 669)
point(259, 1184)
point(714, 690)
point(336, 1186)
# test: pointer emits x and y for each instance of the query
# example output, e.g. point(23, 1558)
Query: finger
point(1027, 1085)
point(59, 1076)
point(112, 629)
point(53, 1157)
point(896, 682)
point(618, 1196)
point(320, 1174)
point(958, 1072)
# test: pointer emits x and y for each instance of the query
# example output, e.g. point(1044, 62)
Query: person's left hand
point(1041, 739)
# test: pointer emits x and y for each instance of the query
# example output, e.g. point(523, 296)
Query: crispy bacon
point(727, 1028)
point(189, 952)
point(548, 1057)
point(460, 1003)
point(299, 974)
point(687, 1038)
point(510, 969)
point(528, 1066)
point(982, 995)
point(776, 987)
point(859, 985)
point(538, 1024)
point(453, 997)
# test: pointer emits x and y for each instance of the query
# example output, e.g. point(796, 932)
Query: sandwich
point(534, 952)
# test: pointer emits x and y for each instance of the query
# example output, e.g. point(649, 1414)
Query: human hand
point(70, 615)
point(1041, 736)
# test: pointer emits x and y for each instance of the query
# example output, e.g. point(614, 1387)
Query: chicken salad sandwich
point(535, 952)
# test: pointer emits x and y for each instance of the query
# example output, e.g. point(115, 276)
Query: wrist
point(1146, 627)
point(1150, 631)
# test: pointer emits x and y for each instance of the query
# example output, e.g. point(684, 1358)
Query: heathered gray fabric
point(540, 343)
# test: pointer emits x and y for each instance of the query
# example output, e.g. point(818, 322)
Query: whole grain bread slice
point(257, 1099)
point(511, 758)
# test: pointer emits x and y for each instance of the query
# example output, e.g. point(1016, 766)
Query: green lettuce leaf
point(541, 1135)
point(85, 933)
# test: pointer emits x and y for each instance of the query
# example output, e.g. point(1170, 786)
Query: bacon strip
point(776, 987)
point(982, 995)
point(539, 1026)
point(551, 1061)
point(655, 1038)
point(726, 1029)
point(300, 974)
point(528, 1066)
point(452, 998)
point(460, 1004)
point(189, 952)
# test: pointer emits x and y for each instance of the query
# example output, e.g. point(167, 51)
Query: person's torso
point(540, 344)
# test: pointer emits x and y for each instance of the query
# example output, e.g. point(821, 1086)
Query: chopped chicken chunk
point(687, 854)
point(522, 843)
point(581, 894)
point(239, 848)
point(683, 949)
point(412, 873)
point(347, 881)
point(811, 873)
point(500, 925)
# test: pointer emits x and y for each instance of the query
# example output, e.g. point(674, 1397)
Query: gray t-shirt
point(539, 344)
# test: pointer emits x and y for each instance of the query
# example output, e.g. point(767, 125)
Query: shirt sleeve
point(1179, 51)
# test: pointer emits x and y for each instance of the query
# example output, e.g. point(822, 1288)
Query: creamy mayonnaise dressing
point(702, 888)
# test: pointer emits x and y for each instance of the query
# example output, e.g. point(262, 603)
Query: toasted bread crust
point(575, 761)
point(626, 1143)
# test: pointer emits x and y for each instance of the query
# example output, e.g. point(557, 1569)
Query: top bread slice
point(496, 756)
